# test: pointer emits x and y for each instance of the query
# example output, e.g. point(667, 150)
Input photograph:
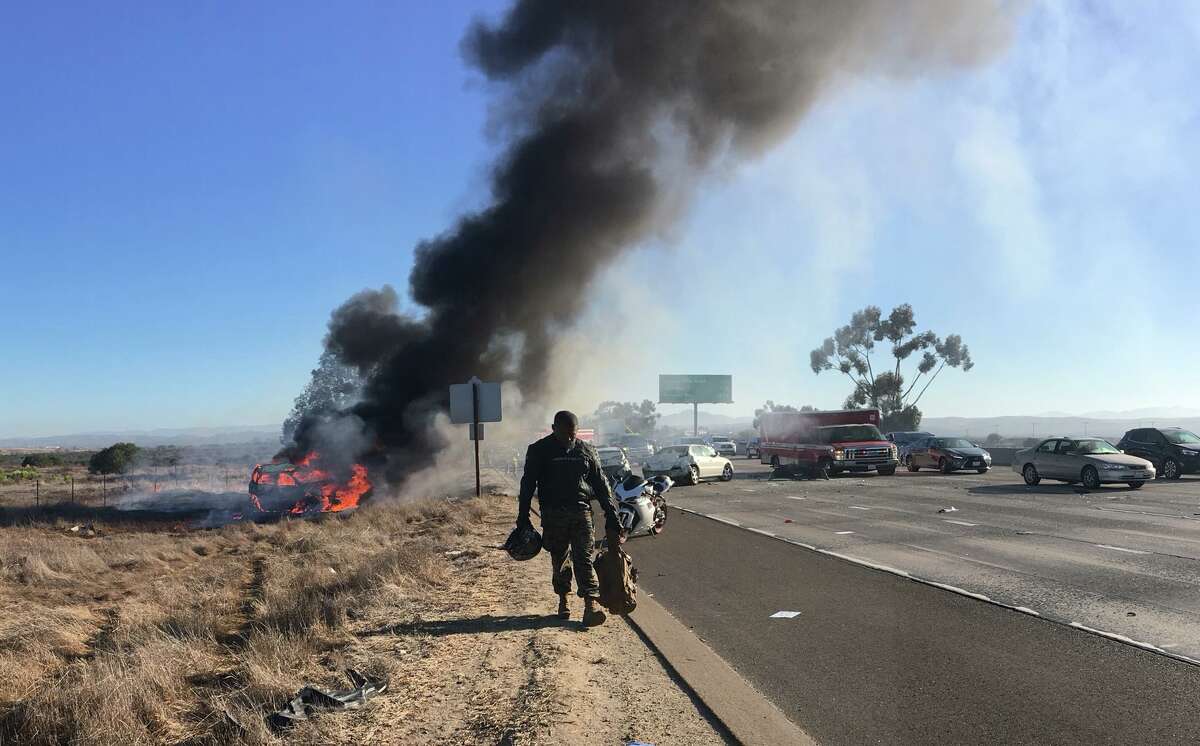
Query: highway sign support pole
point(475, 434)
point(695, 418)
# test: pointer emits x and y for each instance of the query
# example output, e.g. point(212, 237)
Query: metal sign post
point(476, 432)
point(474, 403)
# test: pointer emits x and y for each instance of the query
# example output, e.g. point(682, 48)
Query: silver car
point(1092, 461)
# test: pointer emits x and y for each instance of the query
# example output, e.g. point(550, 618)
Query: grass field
point(148, 634)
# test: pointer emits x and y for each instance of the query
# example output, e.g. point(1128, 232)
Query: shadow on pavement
point(469, 625)
point(1045, 489)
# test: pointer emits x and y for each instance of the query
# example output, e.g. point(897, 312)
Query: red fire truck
point(842, 440)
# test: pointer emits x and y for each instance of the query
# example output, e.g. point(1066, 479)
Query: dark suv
point(1173, 451)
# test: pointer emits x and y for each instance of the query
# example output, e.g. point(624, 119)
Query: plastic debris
point(311, 700)
point(86, 531)
point(950, 509)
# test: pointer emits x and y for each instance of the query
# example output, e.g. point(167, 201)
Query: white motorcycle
point(641, 507)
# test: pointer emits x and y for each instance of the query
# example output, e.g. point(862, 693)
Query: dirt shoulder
point(147, 633)
point(482, 660)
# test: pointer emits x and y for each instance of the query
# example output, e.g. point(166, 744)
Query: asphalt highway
point(873, 657)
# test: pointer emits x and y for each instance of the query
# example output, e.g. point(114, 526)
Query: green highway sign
point(695, 389)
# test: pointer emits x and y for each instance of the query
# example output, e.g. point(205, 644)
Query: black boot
point(592, 615)
point(564, 611)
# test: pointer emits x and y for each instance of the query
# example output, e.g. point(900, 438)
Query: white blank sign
point(461, 404)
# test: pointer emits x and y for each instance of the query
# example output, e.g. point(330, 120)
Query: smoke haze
point(611, 113)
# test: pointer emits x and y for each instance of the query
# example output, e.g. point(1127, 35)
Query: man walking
point(566, 473)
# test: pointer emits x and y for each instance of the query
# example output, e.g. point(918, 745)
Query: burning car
point(303, 486)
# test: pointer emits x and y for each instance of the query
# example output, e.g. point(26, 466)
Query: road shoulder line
point(749, 716)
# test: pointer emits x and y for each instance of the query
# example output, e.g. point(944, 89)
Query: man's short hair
point(563, 417)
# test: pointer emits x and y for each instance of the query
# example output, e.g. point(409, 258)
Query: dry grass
point(149, 637)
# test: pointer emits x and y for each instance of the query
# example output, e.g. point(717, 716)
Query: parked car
point(904, 441)
point(689, 463)
point(613, 461)
point(1173, 451)
point(947, 455)
point(724, 445)
point(1092, 461)
point(752, 448)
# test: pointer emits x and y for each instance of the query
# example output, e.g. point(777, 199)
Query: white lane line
point(793, 497)
point(784, 615)
point(843, 533)
point(858, 507)
point(960, 523)
point(969, 594)
point(1121, 549)
point(723, 519)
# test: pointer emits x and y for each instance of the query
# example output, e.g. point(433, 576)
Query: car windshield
point(844, 433)
point(1095, 445)
point(675, 450)
point(1180, 436)
point(954, 443)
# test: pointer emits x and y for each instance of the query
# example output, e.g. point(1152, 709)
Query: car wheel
point(1136, 485)
point(693, 474)
point(944, 466)
point(1091, 477)
point(912, 465)
point(727, 473)
point(1170, 469)
point(983, 470)
point(1030, 472)
point(906, 459)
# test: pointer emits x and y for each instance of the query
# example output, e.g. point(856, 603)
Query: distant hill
point(190, 436)
point(707, 420)
point(1026, 427)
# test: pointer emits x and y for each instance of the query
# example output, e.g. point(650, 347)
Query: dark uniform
point(567, 479)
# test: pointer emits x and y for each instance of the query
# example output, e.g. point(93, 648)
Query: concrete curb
point(746, 714)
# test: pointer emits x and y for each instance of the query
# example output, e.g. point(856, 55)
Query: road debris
point(86, 531)
point(950, 509)
point(311, 700)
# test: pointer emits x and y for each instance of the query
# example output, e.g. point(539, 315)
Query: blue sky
point(189, 191)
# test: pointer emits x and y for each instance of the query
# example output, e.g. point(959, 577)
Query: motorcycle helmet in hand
point(523, 543)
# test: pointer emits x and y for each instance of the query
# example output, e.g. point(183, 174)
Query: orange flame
point(317, 489)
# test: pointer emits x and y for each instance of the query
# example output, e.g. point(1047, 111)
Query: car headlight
point(987, 455)
point(895, 451)
point(838, 454)
point(1114, 467)
point(1186, 452)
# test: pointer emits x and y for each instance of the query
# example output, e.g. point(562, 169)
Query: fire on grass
point(307, 485)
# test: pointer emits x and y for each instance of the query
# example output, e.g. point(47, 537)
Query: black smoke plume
point(612, 110)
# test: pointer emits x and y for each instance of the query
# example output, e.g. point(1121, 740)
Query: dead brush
point(140, 637)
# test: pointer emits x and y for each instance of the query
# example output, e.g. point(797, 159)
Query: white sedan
point(689, 463)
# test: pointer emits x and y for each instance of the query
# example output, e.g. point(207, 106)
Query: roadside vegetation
point(145, 634)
